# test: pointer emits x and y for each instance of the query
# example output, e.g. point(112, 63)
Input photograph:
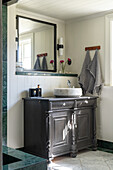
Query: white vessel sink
point(67, 92)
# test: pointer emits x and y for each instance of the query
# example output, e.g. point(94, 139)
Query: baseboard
point(105, 146)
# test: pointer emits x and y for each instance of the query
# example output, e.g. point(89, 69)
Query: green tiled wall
point(4, 104)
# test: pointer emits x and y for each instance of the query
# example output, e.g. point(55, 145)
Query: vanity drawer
point(85, 103)
point(62, 105)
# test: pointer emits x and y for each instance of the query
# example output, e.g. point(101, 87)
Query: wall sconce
point(60, 46)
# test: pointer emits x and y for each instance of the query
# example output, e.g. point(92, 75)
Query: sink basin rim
point(68, 92)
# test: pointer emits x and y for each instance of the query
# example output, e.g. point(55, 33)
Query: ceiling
point(66, 9)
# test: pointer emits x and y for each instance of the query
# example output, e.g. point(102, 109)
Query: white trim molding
point(108, 50)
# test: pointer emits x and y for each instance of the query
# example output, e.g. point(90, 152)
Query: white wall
point(18, 85)
point(81, 34)
point(105, 115)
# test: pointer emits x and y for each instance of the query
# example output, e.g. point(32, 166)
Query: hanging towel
point(85, 74)
point(37, 64)
point(95, 81)
point(44, 64)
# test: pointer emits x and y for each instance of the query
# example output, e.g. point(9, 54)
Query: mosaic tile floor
point(87, 160)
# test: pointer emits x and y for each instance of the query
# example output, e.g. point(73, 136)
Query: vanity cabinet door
point(60, 132)
point(84, 127)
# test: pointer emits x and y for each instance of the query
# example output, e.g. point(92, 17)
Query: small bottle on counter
point(38, 91)
point(32, 92)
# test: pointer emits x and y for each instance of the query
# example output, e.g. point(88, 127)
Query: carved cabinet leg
point(74, 144)
point(74, 137)
point(94, 147)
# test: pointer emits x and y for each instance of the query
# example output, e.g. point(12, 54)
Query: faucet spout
point(69, 83)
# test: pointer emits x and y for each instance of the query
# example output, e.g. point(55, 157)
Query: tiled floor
point(86, 160)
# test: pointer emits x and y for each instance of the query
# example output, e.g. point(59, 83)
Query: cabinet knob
point(86, 101)
point(76, 126)
point(64, 104)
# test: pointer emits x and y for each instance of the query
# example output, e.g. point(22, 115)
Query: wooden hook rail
point(92, 48)
point(42, 55)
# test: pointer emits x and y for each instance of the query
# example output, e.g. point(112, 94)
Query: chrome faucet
point(69, 83)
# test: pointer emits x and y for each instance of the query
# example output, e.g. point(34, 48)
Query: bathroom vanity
point(58, 126)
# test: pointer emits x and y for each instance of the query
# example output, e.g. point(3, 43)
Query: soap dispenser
point(38, 91)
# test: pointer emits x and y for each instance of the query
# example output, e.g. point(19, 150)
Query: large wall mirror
point(36, 45)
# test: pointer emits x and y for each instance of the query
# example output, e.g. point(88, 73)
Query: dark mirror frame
point(55, 44)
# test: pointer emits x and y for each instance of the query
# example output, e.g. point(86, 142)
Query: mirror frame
point(55, 43)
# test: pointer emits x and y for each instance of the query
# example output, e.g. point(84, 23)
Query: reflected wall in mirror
point(36, 45)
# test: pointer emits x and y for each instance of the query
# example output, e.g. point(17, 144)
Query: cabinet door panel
point(60, 132)
point(84, 127)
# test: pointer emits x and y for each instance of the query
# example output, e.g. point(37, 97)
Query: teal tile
point(38, 73)
point(105, 150)
point(4, 140)
point(6, 149)
point(4, 53)
point(27, 161)
point(105, 144)
point(5, 68)
point(4, 9)
point(5, 80)
point(42, 166)
point(4, 128)
point(4, 89)
point(4, 102)
point(4, 18)
point(29, 164)
point(21, 155)
point(5, 47)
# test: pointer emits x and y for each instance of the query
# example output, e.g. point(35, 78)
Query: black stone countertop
point(52, 98)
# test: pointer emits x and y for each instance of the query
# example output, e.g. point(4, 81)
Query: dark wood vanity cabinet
point(57, 126)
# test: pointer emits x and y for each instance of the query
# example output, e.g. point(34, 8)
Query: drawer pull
point(64, 104)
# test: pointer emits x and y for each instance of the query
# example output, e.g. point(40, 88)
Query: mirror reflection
point(36, 49)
